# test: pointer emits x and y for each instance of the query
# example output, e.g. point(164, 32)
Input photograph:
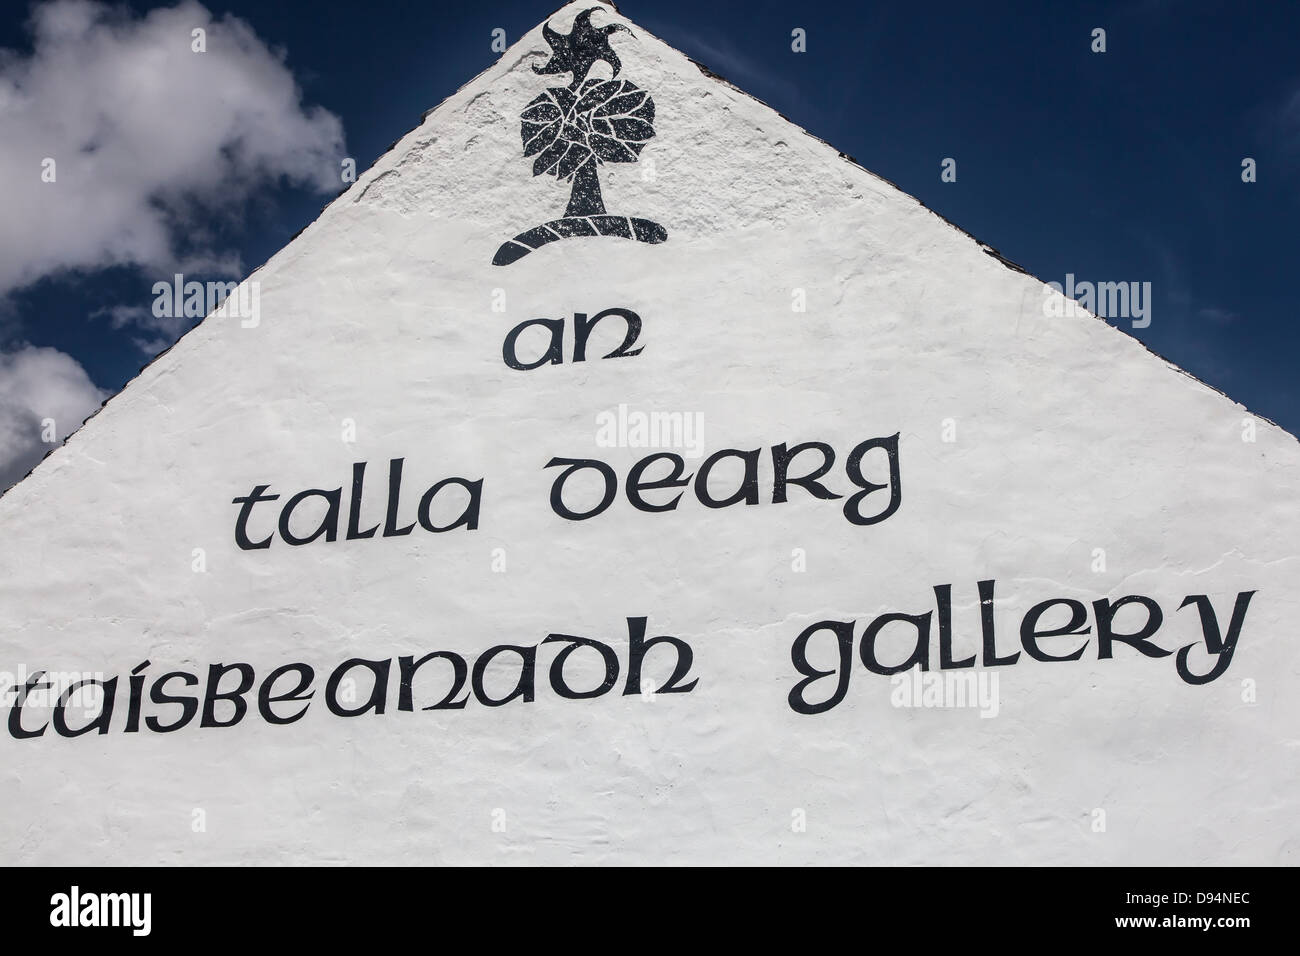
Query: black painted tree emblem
point(573, 130)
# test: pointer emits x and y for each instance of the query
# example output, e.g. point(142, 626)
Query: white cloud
point(151, 141)
point(1289, 119)
point(44, 393)
point(159, 331)
point(1219, 316)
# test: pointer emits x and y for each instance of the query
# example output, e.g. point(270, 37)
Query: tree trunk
point(585, 199)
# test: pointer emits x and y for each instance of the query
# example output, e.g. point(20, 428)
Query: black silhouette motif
point(572, 130)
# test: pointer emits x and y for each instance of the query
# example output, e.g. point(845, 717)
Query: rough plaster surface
point(1070, 436)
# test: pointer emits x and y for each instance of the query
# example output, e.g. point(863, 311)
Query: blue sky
point(1116, 166)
